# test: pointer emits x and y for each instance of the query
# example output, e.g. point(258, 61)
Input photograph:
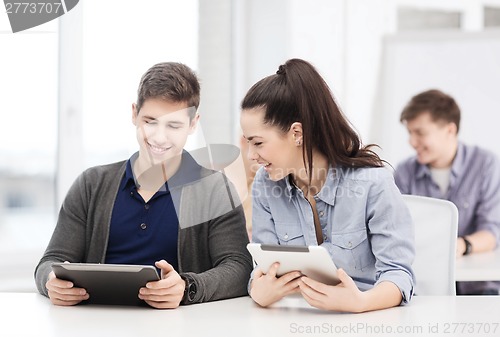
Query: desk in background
point(29, 314)
point(478, 267)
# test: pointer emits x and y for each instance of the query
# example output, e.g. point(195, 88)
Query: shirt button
point(286, 236)
point(144, 226)
point(131, 194)
point(349, 244)
point(466, 205)
point(321, 213)
point(146, 206)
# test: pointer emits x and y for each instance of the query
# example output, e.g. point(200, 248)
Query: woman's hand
point(344, 296)
point(267, 289)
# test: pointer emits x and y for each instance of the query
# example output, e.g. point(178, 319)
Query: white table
point(478, 267)
point(29, 314)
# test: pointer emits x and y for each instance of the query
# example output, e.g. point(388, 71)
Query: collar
point(456, 166)
point(327, 193)
point(189, 171)
point(129, 181)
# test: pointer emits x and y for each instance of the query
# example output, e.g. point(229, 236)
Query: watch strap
point(468, 246)
point(190, 289)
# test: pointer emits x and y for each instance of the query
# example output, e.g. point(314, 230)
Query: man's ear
point(194, 124)
point(453, 128)
point(134, 114)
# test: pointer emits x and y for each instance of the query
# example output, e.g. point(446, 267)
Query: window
point(28, 149)
point(424, 19)
point(491, 17)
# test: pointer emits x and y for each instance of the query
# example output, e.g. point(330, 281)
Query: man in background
point(446, 168)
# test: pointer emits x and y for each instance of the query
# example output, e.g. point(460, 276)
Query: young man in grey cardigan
point(158, 208)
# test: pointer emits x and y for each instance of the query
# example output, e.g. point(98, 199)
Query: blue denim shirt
point(474, 189)
point(367, 228)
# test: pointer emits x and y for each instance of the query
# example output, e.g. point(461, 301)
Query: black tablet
point(312, 261)
point(115, 284)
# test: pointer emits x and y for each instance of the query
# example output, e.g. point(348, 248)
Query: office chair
point(436, 224)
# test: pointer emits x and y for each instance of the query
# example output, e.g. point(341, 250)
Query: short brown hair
point(441, 106)
point(170, 81)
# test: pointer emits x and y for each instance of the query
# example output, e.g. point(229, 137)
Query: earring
point(297, 141)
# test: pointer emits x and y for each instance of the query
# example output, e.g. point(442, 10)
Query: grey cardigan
point(212, 235)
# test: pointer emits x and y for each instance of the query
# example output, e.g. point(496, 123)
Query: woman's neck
point(320, 169)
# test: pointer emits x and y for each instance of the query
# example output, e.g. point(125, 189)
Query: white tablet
point(115, 284)
point(312, 261)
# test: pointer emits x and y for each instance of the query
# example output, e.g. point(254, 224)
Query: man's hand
point(166, 293)
point(63, 292)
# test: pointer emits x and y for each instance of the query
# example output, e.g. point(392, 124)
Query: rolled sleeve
point(488, 207)
point(402, 281)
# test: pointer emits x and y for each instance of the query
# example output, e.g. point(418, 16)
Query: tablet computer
point(115, 284)
point(312, 261)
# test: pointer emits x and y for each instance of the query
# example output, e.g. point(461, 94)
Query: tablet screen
point(108, 283)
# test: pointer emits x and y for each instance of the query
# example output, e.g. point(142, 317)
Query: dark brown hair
point(170, 81)
point(298, 93)
point(442, 107)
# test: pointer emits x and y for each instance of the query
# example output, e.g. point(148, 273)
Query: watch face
point(191, 291)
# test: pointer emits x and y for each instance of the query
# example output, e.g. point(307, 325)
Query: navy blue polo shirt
point(145, 232)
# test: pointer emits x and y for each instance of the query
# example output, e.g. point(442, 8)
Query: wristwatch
point(190, 290)
point(468, 246)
